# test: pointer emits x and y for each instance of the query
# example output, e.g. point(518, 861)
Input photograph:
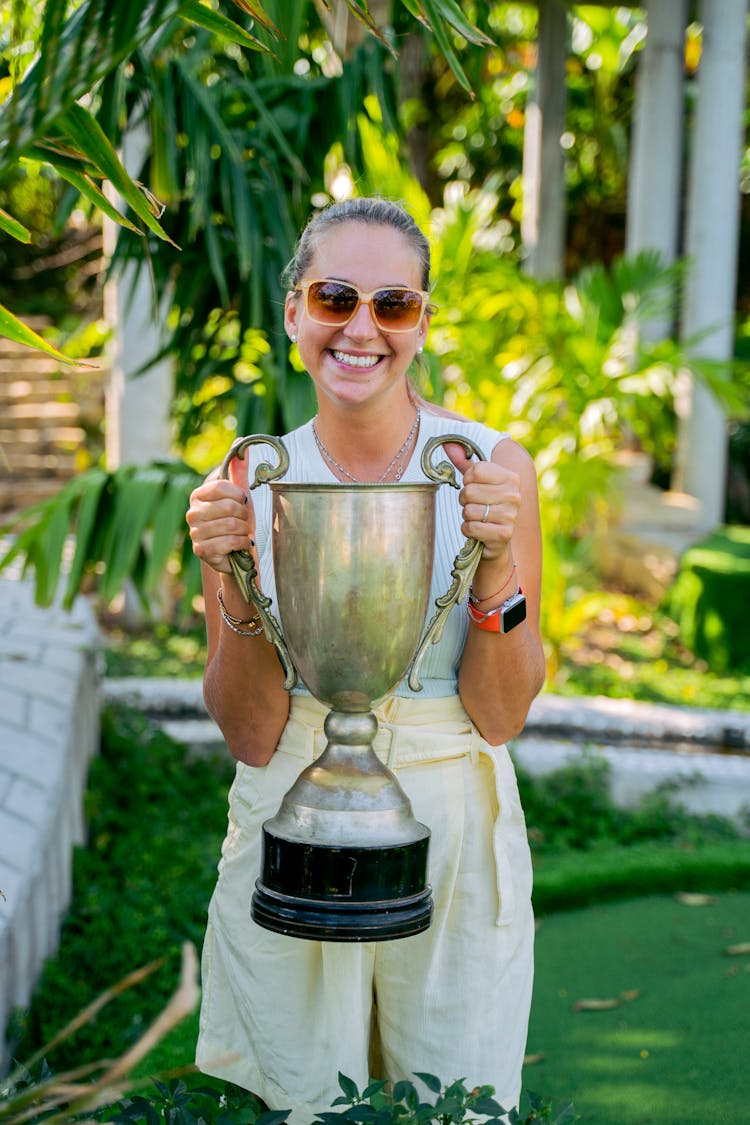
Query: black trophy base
point(342, 893)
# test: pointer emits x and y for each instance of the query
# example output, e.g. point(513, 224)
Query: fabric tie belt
point(410, 731)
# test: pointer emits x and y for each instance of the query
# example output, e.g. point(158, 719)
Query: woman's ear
point(290, 315)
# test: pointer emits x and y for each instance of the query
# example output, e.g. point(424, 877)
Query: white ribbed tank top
point(439, 668)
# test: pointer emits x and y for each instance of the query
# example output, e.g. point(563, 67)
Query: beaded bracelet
point(234, 623)
point(478, 601)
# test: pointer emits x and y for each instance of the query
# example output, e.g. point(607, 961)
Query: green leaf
point(443, 41)
point(135, 494)
point(14, 329)
point(430, 1080)
point(259, 15)
point(48, 545)
point(90, 485)
point(452, 14)
point(12, 227)
point(220, 25)
point(95, 195)
point(349, 1087)
point(168, 521)
point(88, 136)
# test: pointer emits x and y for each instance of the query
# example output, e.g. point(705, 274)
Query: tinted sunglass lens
point(331, 301)
point(397, 308)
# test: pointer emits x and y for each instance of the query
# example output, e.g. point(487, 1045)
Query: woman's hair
point(374, 210)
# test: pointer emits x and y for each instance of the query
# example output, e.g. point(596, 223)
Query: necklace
point(332, 460)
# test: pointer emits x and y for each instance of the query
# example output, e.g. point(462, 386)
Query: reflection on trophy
point(344, 859)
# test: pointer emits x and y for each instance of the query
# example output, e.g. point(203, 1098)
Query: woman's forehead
point(356, 251)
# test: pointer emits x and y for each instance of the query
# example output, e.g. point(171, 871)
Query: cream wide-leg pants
point(281, 1016)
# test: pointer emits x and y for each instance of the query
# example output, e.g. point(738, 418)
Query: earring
point(420, 349)
point(293, 337)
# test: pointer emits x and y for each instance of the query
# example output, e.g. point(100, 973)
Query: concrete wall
point(49, 731)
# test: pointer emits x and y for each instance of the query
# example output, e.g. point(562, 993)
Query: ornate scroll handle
point(243, 563)
point(466, 560)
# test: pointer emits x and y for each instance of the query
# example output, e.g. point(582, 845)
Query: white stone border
point(49, 731)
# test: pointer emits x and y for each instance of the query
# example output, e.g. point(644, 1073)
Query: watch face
point(513, 612)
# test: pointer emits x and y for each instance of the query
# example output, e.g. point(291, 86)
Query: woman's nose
point(362, 325)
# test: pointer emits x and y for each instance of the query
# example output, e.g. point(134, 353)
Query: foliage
point(713, 579)
point(572, 808)
point(123, 60)
point(155, 823)
point(177, 1103)
point(126, 524)
point(632, 650)
point(31, 1092)
point(180, 1102)
point(377, 1104)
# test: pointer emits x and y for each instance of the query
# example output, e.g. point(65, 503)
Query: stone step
point(15, 496)
point(706, 752)
point(23, 412)
point(41, 438)
point(18, 464)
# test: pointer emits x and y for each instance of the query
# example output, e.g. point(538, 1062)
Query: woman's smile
point(352, 359)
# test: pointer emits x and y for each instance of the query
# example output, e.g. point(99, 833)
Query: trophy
point(344, 859)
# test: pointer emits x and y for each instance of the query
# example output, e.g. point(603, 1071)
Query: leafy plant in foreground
point(176, 1103)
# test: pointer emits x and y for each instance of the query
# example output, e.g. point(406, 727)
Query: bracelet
point(478, 601)
point(234, 623)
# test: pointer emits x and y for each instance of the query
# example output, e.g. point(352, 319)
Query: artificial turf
point(676, 1048)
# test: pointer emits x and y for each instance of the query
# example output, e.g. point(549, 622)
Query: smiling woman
point(283, 1016)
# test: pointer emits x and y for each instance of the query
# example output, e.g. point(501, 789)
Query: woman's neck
point(369, 444)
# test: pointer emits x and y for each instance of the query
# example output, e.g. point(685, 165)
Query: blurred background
point(582, 172)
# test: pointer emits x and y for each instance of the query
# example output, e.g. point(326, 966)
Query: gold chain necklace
point(332, 460)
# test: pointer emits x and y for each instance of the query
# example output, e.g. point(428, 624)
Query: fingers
point(491, 498)
point(221, 519)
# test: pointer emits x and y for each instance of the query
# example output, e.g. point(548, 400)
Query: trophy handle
point(243, 563)
point(466, 560)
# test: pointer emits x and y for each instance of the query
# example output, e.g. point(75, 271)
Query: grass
point(667, 1042)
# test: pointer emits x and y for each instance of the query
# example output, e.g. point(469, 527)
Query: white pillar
point(139, 428)
point(711, 245)
point(543, 212)
point(655, 175)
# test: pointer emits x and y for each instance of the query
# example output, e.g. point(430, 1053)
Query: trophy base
point(342, 893)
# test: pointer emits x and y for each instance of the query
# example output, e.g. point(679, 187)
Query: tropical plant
point(31, 1092)
point(217, 119)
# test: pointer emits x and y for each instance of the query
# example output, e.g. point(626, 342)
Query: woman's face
point(358, 362)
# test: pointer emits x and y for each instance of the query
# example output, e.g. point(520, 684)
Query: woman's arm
point(500, 674)
point(243, 684)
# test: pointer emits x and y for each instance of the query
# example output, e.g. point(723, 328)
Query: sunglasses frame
point(363, 298)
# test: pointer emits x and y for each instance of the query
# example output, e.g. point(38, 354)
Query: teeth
point(356, 360)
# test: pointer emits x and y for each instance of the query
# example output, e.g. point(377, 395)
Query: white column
point(543, 213)
point(139, 428)
point(655, 175)
point(711, 245)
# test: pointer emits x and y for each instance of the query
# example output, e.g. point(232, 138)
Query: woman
point(282, 1016)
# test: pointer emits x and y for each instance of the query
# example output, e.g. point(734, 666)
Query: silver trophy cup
point(344, 859)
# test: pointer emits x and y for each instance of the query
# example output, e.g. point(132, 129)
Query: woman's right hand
point(221, 518)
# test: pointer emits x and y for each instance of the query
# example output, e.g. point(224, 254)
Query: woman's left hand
point(491, 498)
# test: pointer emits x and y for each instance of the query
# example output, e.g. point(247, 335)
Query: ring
point(486, 513)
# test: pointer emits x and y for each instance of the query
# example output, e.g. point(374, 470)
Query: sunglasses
point(394, 308)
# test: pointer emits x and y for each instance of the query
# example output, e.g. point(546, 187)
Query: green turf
point(678, 1053)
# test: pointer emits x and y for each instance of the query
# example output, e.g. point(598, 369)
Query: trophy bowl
point(344, 859)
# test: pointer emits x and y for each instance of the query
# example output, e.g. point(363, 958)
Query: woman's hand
point(221, 518)
point(491, 499)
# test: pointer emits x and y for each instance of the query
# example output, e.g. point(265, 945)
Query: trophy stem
point(367, 882)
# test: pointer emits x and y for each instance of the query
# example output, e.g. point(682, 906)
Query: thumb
point(238, 472)
point(458, 455)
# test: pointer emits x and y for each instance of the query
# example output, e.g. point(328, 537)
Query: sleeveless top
point(439, 668)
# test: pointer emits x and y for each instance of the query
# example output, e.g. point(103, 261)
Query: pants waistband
point(410, 731)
